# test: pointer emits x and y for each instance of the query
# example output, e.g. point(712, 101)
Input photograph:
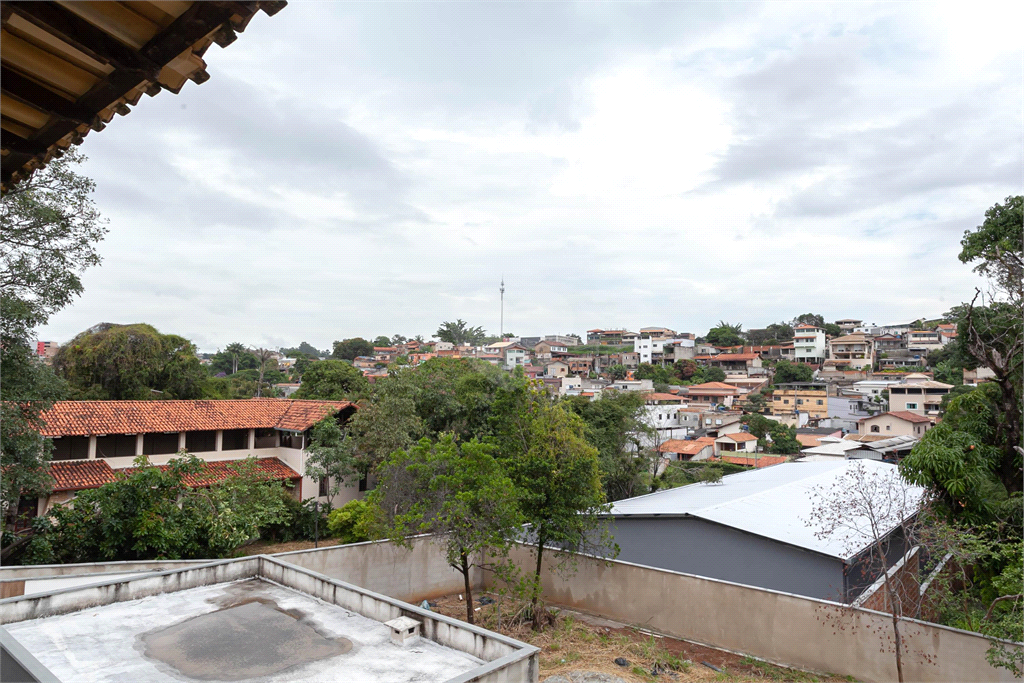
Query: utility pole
point(502, 290)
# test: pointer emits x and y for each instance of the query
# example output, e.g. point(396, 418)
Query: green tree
point(656, 373)
point(303, 350)
point(685, 369)
point(617, 371)
point(233, 358)
point(545, 453)
point(332, 380)
point(123, 362)
point(350, 522)
point(150, 513)
point(786, 371)
point(350, 349)
point(996, 247)
point(331, 456)
point(459, 333)
point(456, 491)
point(832, 330)
point(815, 319)
point(616, 426)
point(49, 227)
point(713, 375)
point(387, 422)
point(725, 334)
point(784, 440)
point(382, 341)
point(960, 462)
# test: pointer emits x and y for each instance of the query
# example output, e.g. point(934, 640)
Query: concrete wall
point(778, 627)
point(695, 546)
point(411, 575)
point(49, 571)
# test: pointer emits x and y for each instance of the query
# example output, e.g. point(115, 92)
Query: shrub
point(348, 523)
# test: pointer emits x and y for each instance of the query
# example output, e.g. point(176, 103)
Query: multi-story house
point(808, 344)
point(94, 440)
point(947, 333)
point(579, 365)
point(898, 423)
point(561, 339)
point(556, 369)
point(917, 394)
point(670, 418)
point(711, 394)
point(734, 363)
point(545, 350)
point(611, 337)
point(848, 325)
point(854, 350)
point(385, 354)
point(789, 399)
point(662, 332)
point(923, 340)
point(663, 349)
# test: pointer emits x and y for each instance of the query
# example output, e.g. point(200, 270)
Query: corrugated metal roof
point(774, 502)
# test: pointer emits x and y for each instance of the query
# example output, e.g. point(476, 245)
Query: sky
point(358, 169)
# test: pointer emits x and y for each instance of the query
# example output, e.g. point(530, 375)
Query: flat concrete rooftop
point(245, 630)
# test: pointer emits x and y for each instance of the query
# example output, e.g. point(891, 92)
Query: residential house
point(443, 346)
point(611, 337)
point(848, 325)
point(93, 440)
point(545, 350)
point(287, 388)
point(852, 350)
point(670, 417)
point(890, 343)
point(528, 342)
point(705, 349)
point(736, 363)
point(751, 531)
point(579, 365)
point(385, 354)
point(663, 349)
point(365, 362)
point(571, 385)
point(917, 394)
point(808, 344)
point(46, 350)
point(947, 333)
point(556, 369)
point(662, 332)
point(681, 348)
point(512, 354)
point(898, 423)
point(870, 387)
point(677, 449)
point(795, 398)
point(737, 442)
point(712, 394)
point(562, 339)
point(714, 423)
point(924, 341)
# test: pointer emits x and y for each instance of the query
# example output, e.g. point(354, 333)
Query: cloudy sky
point(356, 169)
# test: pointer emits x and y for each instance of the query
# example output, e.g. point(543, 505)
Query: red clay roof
point(83, 418)
point(758, 462)
point(272, 469)
point(656, 396)
point(79, 475)
point(739, 437)
point(903, 415)
point(685, 447)
point(808, 440)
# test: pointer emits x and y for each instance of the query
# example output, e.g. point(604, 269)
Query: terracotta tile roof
point(750, 461)
point(903, 415)
point(729, 357)
point(808, 440)
point(84, 418)
point(81, 474)
point(684, 447)
point(706, 440)
point(656, 396)
point(219, 470)
point(739, 437)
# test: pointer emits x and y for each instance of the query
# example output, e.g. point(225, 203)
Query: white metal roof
point(836, 448)
point(773, 502)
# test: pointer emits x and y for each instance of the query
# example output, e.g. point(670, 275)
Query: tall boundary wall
point(789, 630)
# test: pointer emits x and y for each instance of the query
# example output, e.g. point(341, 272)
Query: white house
point(808, 344)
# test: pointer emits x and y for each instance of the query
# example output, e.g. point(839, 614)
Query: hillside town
point(199, 496)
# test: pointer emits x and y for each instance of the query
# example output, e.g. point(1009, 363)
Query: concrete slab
point(250, 630)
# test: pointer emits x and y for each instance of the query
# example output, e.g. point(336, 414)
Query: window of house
point(70, 448)
point(364, 483)
point(888, 427)
point(820, 402)
point(201, 441)
point(235, 439)
point(786, 401)
point(325, 486)
point(117, 446)
point(911, 406)
point(874, 428)
point(291, 440)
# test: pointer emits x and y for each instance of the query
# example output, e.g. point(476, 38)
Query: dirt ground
point(264, 548)
point(580, 642)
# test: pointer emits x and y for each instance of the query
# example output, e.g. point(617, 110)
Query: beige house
point(899, 423)
point(917, 394)
point(738, 442)
point(854, 350)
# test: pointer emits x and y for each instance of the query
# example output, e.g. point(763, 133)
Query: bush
point(348, 523)
point(301, 521)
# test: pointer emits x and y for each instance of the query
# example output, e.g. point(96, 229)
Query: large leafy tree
point(333, 380)
point(459, 333)
point(49, 227)
point(456, 491)
point(234, 357)
point(725, 334)
point(387, 421)
point(350, 349)
point(786, 371)
point(543, 449)
point(123, 362)
point(331, 455)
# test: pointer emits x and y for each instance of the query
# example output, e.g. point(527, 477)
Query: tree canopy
point(350, 349)
point(459, 333)
point(725, 334)
point(123, 362)
point(786, 371)
point(332, 380)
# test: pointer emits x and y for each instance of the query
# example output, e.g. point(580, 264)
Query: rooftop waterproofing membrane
point(253, 619)
point(774, 502)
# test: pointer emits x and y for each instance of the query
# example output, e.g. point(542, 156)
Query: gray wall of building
point(695, 546)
